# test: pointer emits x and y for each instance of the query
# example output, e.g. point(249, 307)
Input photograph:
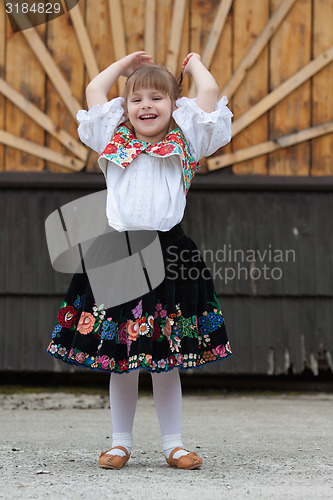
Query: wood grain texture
point(214, 37)
point(281, 92)
point(98, 27)
point(175, 35)
point(271, 58)
point(43, 120)
point(294, 112)
point(241, 155)
point(163, 23)
point(322, 94)
point(150, 27)
point(117, 25)
point(66, 56)
point(50, 67)
point(37, 151)
point(3, 21)
point(249, 20)
point(31, 84)
point(256, 48)
point(222, 68)
point(87, 52)
point(134, 24)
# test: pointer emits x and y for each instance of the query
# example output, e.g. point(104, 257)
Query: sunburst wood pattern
point(273, 59)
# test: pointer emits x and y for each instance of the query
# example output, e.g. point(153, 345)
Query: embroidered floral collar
point(125, 147)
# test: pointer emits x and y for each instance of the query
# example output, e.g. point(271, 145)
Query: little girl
point(150, 142)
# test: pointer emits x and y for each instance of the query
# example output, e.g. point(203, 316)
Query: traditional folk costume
point(179, 323)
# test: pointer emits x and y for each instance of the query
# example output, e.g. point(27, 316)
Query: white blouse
point(150, 193)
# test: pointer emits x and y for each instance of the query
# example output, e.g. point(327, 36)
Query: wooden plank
point(87, 52)
point(290, 50)
point(98, 27)
point(31, 82)
point(215, 32)
point(322, 95)
point(134, 24)
point(196, 20)
point(15, 253)
point(198, 14)
point(3, 20)
point(63, 44)
point(163, 23)
point(222, 68)
point(42, 120)
point(282, 91)
point(13, 352)
point(177, 22)
point(214, 37)
point(50, 67)
point(300, 220)
point(202, 15)
point(264, 148)
point(249, 20)
point(184, 48)
point(150, 27)
point(3, 328)
point(322, 231)
point(118, 35)
point(38, 151)
point(3, 239)
point(256, 48)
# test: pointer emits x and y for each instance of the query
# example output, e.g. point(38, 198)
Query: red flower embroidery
point(164, 149)
point(67, 316)
point(123, 365)
point(111, 149)
point(119, 137)
point(172, 360)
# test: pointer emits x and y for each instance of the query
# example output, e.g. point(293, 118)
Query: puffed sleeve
point(205, 132)
point(98, 125)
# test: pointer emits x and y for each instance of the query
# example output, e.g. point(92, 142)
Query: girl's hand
point(187, 63)
point(133, 61)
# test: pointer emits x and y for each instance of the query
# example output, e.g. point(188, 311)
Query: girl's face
point(150, 112)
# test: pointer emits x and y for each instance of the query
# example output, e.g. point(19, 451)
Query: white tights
point(168, 402)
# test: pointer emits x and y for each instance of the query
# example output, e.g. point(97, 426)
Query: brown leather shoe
point(189, 461)
point(113, 461)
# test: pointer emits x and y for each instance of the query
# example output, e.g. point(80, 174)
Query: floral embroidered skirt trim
point(178, 324)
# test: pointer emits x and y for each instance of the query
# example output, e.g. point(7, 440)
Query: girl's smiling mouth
point(148, 117)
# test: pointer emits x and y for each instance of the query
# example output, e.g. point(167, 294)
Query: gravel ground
point(253, 446)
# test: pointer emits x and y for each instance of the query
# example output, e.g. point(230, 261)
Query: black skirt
point(177, 324)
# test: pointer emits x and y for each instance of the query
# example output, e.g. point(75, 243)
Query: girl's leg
point(168, 401)
point(123, 400)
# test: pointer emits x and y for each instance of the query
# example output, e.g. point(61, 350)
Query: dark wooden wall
point(275, 325)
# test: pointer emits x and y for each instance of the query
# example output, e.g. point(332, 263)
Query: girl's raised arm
point(207, 87)
point(99, 87)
